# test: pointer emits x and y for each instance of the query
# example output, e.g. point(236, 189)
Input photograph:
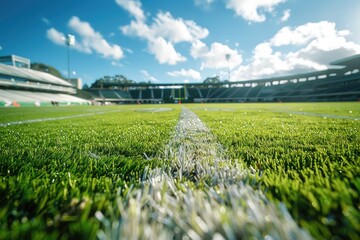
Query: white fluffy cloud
point(163, 33)
point(164, 51)
point(214, 57)
point(321, 42)
point(286, 15)
point(305, 33)
point(133, 7)
point(55, 36)
point(88, 40)
point(314, 46)
point(190, 73)
point(253, 10)
point(137, 29)
point(177, 30)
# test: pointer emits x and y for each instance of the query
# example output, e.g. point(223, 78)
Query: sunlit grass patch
point(309, 163)
point(83, 177)
point(55, 175)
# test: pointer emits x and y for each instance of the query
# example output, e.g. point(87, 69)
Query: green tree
point(46, 68)
point(108, 80)
point(215, 79)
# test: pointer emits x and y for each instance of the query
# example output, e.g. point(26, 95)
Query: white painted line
point(54, 118)
point(199, 195)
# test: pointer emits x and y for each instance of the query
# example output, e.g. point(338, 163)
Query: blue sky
point(182, 40)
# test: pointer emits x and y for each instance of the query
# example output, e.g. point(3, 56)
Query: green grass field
point(69, 172)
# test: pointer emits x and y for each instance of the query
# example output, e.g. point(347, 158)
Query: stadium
point(340, 83)
point(180, 120)
point(23, 86)
point(274, 158)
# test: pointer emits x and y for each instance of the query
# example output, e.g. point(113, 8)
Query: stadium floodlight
point(69, 41)
point(228, 56)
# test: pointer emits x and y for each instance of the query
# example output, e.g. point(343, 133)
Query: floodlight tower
point(227, 56)
point(69, 41)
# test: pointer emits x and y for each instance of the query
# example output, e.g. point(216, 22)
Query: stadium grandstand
point(339, 83)
point(22, 86)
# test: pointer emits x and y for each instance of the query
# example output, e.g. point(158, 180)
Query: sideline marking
point(54, 118)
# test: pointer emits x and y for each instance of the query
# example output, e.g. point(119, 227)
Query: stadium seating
point(24, 86)
point(31, 75)
point(310, 89)
point(38, 98)
point(341, 83)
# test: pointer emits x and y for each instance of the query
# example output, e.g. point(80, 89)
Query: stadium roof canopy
point(349, 62)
